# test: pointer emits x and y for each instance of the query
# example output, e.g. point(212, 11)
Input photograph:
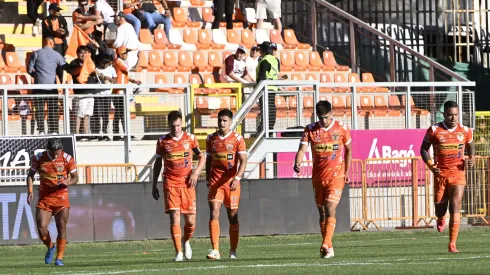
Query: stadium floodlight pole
point(66, 112)
point(408, 111)
point(5, 114)
point(127, 117)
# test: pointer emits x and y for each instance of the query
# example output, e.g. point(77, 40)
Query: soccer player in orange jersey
point(226, 161)
point(179, 181)
point(329, 139)
point(57, 170)
point(449, 139)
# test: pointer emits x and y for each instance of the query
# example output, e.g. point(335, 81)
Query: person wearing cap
point(235, 69)
point(123, 77)
point(57, 171)
point(85, 18)
point(268, 69)
point(126, 36)
point(252, 61)
point(55, 26)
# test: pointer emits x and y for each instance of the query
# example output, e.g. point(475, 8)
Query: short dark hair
point(82, 49)
point(225, 112)
point(173, 116)
point(54, 144)
point(323, 107)
point(450, 104)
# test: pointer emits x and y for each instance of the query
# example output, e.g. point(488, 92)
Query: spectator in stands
point(235, 70)
point(123, 77)
point(84, 103)
point(133, 15)
point(32, 7)
point(126, 36)
point(106, 74)
point(221, 7)
point(104, 10)
point(42, 67)
point(55, 26)
point(252, 61)
point(274, 53)
point(85, 18)
point(154, 17)
point(268, 69)
point(272, 7)
point(482, 137)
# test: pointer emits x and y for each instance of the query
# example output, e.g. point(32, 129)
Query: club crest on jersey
point(460, 136)
point(335, 137)
point(338, 192)
point(186, 145)
point(59, 168)
point(229, 146)
point(233, 198)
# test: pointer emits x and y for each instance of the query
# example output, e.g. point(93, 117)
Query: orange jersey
point(177, 157)
point(326, 147)
point(52, 171)
point(449, 145)
point(224, 156)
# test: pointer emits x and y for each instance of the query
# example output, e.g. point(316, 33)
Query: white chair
point(176, 38)
point(261, 35)
point(185, 4)
point(250, 15)
point(220, 38)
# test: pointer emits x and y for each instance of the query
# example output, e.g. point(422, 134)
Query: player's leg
point(440, 201)
point(456, 193)
point(232, 201)
point(172, 207)
point(42, 221)
point(333, 193)
point(61, 218)
point(188, 208)
point(320, 203)
point(215, 199)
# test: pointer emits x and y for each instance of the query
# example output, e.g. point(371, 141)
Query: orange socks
point(322, 228)
point(47, 240)
point(329, 230)
point(454, 220)
point(188, 232)
point(61, 243)
point(176, 235)
point(234, 232)
point(214, 233)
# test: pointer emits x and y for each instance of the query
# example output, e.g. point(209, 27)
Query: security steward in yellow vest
point(268, 69)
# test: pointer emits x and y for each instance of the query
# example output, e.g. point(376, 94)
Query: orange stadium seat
point(325, 78)
point(196, 79)
point(12, 61)
point(155, 61)
point(162, 42)
point(170, 61)
point(190, 36)
point(394, 102)
point(142, 61)
point(21, 79)
point(233, 36)
point(209, 79)
point(162, 79)
point(205, 38)
point(226, 54)
point(340, 78)
point(146, 37)
point(248, 39)
point(215, 59)
point(277, 38)
point(197, 3)
point(287, 61)
point(185, 62)
point(316, 63)
point(366, 102)
point(329, 60)
point(281, 103)
point(413, 108)
point(311, 77)
point(201, 62)
point(207, 15)
point(179, 79)
point(290, 38)
point(182, 19)
point(354, 78)
point(308, 104)
point(301, 60)
point(368, 77)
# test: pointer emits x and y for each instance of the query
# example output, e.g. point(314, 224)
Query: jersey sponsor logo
point(326, 147)
point(449, 146)
point(222, 156)
point(176, 156)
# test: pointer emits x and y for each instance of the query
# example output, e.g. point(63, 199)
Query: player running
point(57, 170)
point(328, 138)
point(225, 164)
point(179, 181)
point(449, 139)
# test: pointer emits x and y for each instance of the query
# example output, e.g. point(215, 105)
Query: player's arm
point(299, 156)
point(470, 145)
point(424, 153)
point(73, 178)
point(30, 183)
point(201, 161)
point(242, 157)
point(348, 159)
point(157, 167)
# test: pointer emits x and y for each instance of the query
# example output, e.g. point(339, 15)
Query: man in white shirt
point(252, 61)
point(102, 8)
point(234, 69)
point(102, 105)
point(126, 36)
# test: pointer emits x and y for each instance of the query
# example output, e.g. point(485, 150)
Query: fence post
point(364, 192)
point(127, 120)
point(66, 112)
point(415, 194)
point(88, 175)
point(5, 113)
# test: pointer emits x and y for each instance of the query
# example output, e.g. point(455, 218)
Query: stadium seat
point(201, 62)
point(299, 77)
point(21, 79)
point(339, 106)
point(155, 62)
point(316, 63)
point(196, 79)
point(205, 38)
point(142, 61)
point(170, 62)
point(233, 36)
point(340, 78)
point(290, 38)
point(382, 109)
point(215, 60)
point(182, 19)
point(311, 77)
point(179, 79)
point(226, 54)
point(3, 66)
point(368, 77)
point(162, 79)
point(250, 15)
point(354, 78)
point(12, 61)
point(185, 62)
point(197, 3)
point(325, 78)
point(248, 39)
point(261, 35)
point(281, 103)
point(301, 60)
point(190, 37)
point(287, 61)
point(394, 102)
point(413, 108)
point(308, 104)
point(329, 60)
point(207, 15)
point(220, 38)
point(209, 79)
point(176, 38)
point(146, 37)
point(277, 38)
point(161, 41)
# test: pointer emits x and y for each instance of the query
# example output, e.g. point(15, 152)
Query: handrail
point(247, 105)
point(354, 20)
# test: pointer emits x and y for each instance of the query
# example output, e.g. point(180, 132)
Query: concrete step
point(23, 40)
point(22, 28)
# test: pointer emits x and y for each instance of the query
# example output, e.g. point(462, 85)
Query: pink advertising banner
point(369, 144)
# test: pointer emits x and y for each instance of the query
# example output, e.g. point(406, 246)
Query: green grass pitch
point(399, 252)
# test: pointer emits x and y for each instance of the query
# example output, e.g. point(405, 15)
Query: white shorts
point(271, 6)
point(84, 106)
